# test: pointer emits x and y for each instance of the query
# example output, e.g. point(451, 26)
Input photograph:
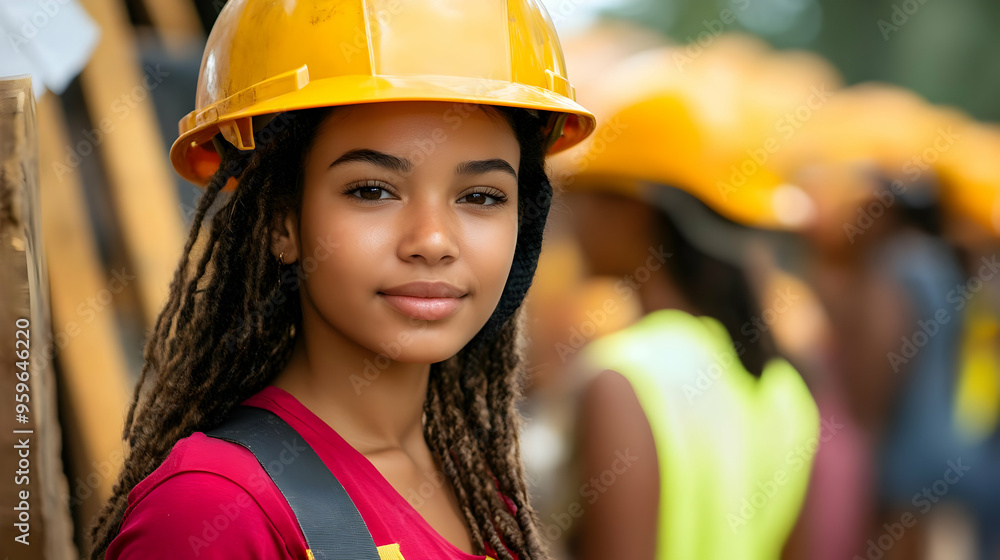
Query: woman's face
point(407, 226)
point(615, 232)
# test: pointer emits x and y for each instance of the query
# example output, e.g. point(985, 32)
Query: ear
point(285, 238)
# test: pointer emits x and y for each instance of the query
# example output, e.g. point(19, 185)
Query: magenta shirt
point(211, 499)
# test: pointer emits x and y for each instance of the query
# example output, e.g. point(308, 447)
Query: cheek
point(340, 252)
point(489, 253)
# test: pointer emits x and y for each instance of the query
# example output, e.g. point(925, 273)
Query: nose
point(430, 233)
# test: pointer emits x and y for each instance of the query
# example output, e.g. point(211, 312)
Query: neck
point(371, 401)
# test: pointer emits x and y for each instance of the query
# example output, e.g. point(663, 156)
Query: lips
point(427, 301)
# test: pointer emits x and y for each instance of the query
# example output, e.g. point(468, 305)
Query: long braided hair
point(228, 328)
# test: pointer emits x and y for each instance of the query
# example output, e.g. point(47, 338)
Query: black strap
point(329, 519)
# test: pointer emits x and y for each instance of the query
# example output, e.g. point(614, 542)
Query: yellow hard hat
point(266, 57)
point(703, 123)
point(883, 126)
point(970, 177)
point(875, 127)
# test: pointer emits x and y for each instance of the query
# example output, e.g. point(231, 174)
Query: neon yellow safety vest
point(977, 398)
point(734, 452)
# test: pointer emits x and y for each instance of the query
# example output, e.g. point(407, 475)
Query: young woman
point(695, 437)
point(360, 277)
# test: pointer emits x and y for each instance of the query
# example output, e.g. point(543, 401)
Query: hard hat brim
point(195, 159)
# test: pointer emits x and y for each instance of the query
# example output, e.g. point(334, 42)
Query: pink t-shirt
point(211, 499)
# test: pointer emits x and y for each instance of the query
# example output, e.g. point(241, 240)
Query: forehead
point(408, 128)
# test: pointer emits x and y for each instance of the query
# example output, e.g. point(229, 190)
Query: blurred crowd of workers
point(766, 322)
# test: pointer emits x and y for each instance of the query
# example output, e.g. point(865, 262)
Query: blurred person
point(361, 284)
point(976, 402)
point(918, 443)
point(695, 437)
point(840, 507)
point(885, 290)
point(971, 196)
point(883, 273)
point(693, 401)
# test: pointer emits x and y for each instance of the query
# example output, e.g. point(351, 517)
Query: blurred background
point(840, 158)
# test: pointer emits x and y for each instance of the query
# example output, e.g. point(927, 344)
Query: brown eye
point(370, 193)
point(490, 198)
point(477, 198)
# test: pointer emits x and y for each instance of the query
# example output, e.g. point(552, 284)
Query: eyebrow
point(478, 167)
point(380, 159)
point(401, 165)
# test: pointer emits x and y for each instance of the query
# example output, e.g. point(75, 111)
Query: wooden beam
point(176, 22)
point(34, 519)
point(118, 97)
point(94, 382)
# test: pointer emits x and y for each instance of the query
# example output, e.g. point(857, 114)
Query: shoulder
point(684, 338)
point(199, 453)
point(611, 416)
point(615, 437)
point(209, 499)
point(615, 432)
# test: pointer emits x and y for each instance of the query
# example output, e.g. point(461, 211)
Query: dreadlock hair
point(229, 328)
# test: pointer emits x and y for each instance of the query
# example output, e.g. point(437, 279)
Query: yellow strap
point(390, 552)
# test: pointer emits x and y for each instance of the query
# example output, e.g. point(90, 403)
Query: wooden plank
point(176, 22)
point(118, 98)
point(34, 520)
point(94, 380)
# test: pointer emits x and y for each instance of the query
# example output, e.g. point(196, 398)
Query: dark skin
point(437, 220)
point(622, 522)
point(616, 233)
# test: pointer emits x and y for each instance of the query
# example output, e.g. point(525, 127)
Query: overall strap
point(329, 519)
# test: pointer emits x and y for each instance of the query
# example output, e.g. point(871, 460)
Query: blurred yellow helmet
point(883, 126)
point(866, 129)
point(970, 177)
point(266, 57)
point(708, 125)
